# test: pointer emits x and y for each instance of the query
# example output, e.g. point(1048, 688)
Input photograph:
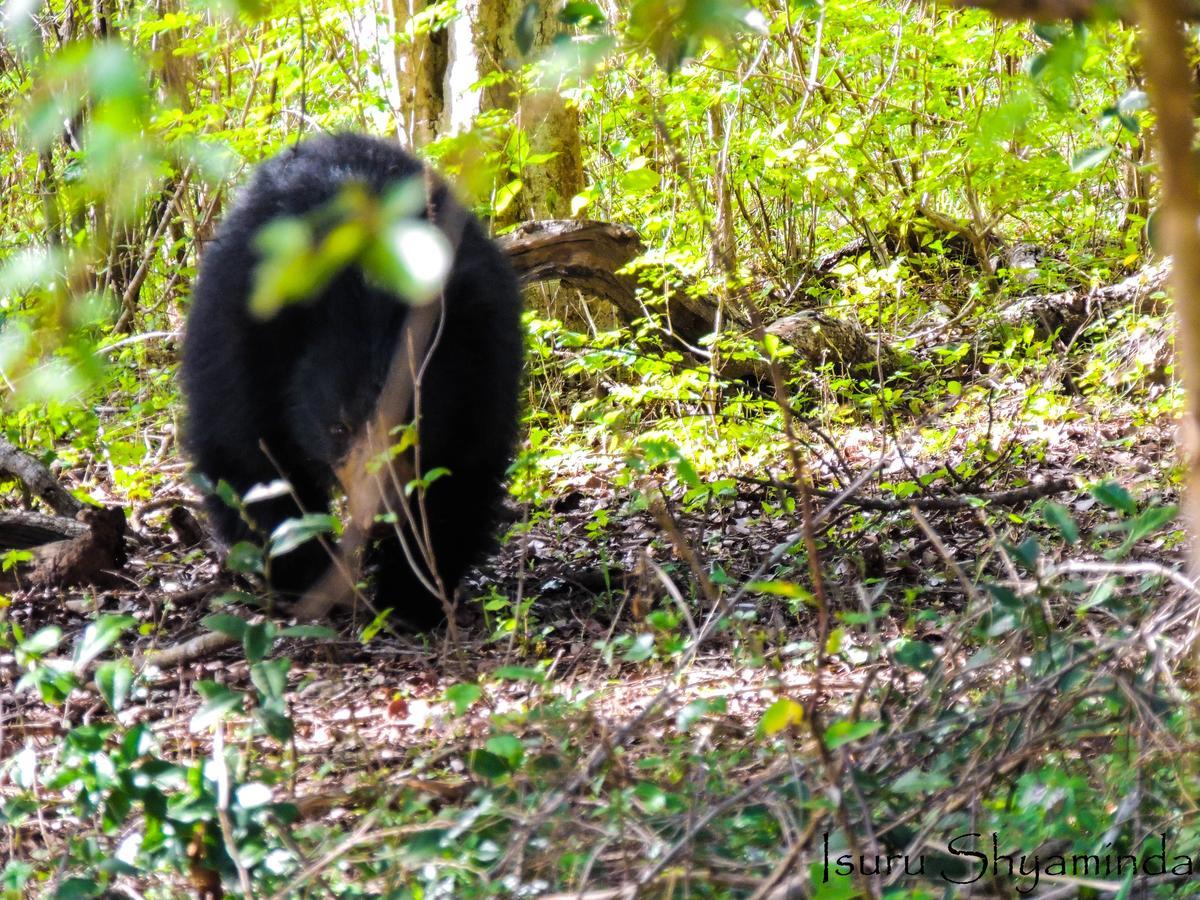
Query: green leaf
point(1144, 525)
point(846, 732)
point(1114, 496)
point(219, 701)
point(1133, 101)
point(640, 180)
point(244, 557)
point(411, 259)
point(463, 696)
point(1154, 235)
point(226, 624)
point(253, 794)
point(114, 680)
point(687, 472)
point(1090, 158)
point(1101, 594)
point(506, 195)
point(316, 632)
point(487, 765)
point(375, 625)
point(783, 713)
point(788, 589)
point(519, 673)
point(271, 490)
point(507, 747)
point(1060, 517)
point(915, 782)
point(640, 649)
point(1026, 553)
point(580, 13)
point(913, 654)
point(78, 889)
point(827, 888)
point(257, 640)
point(426, 480)
point(276, 724)
point(691, 713)
point(270, 677)
point(1151, 521)
point(285, 273)
point(99, 636)
point(293, 532)
point(42, 642)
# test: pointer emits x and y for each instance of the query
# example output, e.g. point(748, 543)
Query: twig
point(1013, 497)
point(128, 299)
point(224, 788)
point(201, 645)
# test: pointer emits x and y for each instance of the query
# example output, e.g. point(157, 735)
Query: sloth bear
point(289, 395)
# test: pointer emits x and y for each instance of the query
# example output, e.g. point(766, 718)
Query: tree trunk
point(483, 41)
point(420, 58)
point(1172, 92)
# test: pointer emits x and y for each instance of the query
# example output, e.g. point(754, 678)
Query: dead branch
point(587, 256)
point(1068, 312)
point(196, 648)
point(37, 478)
point(22, 529)
point(1014, 497)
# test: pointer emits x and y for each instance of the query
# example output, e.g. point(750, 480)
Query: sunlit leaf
point(783, 713)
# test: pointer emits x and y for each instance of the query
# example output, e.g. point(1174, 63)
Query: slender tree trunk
point(1173, 96)
point(483, 42)
point(420, 61)
point(723, 250)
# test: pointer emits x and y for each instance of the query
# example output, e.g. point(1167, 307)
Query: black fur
point(304, 382)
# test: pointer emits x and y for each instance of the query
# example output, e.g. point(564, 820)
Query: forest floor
point(582, 633)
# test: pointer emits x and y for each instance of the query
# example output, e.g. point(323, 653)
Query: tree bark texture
point(586, 256)
point(1172, 90)
point(421, 62)
point(37, 478)
point(482, 42)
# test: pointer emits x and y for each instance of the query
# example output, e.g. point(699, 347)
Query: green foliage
point(1002, 667)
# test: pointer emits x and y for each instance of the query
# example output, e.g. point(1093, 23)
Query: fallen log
point(37, 478)
point(589, 256)
point(21, 529)
point(1069, 312)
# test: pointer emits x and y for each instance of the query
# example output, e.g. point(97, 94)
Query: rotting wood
point(588, 256)
point(1068, 312)
point(37, 478)
point(86, 558)
point(22, 529)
